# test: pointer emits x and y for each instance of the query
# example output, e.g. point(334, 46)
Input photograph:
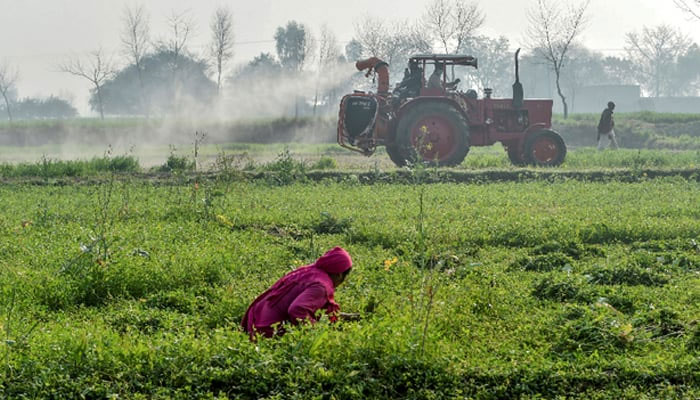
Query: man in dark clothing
point(606, 126)
point(412, 82)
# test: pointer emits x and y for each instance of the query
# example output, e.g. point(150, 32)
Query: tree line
point(165, 77)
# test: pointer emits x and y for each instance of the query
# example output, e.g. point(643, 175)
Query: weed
point(544, 262)
point(329, 224)
point(199, 138)
point(287, 170)
point(15, 335)
point(572, 249)
point(176, 163)
point(593, 328)
point(661, 322)
point(324, 163)
point(694, 337)
point(628, 274)
point(147, 321)
point(231, 165)
point(372, 237)
point(550, 288)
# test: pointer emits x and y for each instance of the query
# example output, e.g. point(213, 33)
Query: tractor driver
point(412, 81)
point(435, 81)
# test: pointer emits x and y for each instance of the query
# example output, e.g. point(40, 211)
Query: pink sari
point(297, 296)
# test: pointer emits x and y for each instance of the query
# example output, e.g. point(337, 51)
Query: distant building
point(689, 105)
point(627, 98)
point(590, 99)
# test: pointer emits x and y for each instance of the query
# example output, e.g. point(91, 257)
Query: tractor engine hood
point(382, 70)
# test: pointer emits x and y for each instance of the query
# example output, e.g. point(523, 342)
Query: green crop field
point(128, 286)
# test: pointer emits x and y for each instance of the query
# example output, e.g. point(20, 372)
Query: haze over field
point(37, 35)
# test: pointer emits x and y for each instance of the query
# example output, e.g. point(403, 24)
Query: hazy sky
point(36, 35)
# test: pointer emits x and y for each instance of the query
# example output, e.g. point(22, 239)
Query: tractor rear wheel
point(545, 148)
point(433, 133)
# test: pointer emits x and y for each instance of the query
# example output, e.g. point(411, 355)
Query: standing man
point(606, 126)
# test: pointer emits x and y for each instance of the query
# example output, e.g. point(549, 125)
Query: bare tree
point(135, 42)
point(552, 30)
point(392, 42)
point(453, 22)
point(222, 40)
point(328, 53)
point(495, 63)
point(691, 7)
point(310, 48)
point(8, 80)
point(96, 70)
point(654, 54)
point(404, 40)
point(328, 49)
point(181, 27)
point(372, 34)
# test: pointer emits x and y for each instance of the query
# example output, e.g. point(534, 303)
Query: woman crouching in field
point(298, 295)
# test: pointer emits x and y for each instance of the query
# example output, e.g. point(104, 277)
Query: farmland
point(118, 280)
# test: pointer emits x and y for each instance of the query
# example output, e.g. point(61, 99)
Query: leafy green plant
point(629, 274)
point(177, 163)
point(323, 163)
point(543, 262)
point(550, 288)
point(572, 249)
point(286, 169)
point(594, 328)
point(661, 322)
point(329, 224)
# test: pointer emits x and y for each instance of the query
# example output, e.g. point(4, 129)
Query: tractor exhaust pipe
point(518, 94)
point(381, 68)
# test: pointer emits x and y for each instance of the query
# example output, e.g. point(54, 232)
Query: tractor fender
point(534, 128)
point(517, 144)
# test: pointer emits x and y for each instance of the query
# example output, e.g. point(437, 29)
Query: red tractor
point(431, 121)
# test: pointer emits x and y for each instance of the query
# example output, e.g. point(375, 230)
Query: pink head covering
point(334, 261)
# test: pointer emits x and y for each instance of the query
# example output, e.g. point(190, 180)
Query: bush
point(629, 274)
point(661, 322)
point(325, 163)
point(549, 288)
point(176, 163)
point(694, 337)
point(593, 328)
point(117, 164)
point(48, 168)
point(543, 262)
point(571, 249)
point(331, 224)
point(287, 170)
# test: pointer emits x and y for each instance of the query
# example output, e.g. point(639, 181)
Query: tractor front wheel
point(433, 133)
point(545, 148)
point(515, 154)
point(395, 155)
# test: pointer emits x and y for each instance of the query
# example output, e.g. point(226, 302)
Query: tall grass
point(48, 168)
